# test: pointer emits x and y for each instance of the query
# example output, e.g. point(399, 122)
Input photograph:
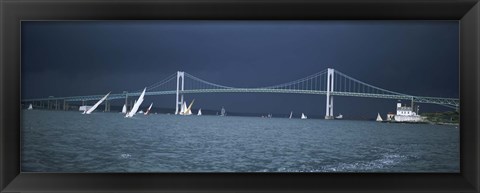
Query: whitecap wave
point(387, 160)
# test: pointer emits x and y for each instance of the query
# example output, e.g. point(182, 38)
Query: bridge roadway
point(449, 102)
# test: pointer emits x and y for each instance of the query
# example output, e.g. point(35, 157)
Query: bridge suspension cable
point(358, 86)
point(300, 83)
point(207, 85)
point(363, 89)
point(159, 83)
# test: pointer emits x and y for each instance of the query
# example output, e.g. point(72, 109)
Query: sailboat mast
point(126, 99)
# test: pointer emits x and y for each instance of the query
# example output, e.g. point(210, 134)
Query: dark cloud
point(83, 58)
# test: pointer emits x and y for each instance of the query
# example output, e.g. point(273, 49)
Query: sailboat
point(136, 105)
point(199, 112)
point(183, 107)
point(379, 118)
point(303, 116)
point(291, 112)
point(148, 110)
point(222, 112)
point(124, 109)
point(187, 110)
point(30, 107)
point(340, 116)
point(96, 105)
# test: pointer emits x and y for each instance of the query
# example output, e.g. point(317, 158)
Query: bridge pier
point(180, 87)
point(330, 88)
point(67, 106)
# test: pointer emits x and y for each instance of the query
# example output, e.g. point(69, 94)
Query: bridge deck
point(451, 102)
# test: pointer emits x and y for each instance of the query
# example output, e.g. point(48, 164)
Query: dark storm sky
point(85, 58)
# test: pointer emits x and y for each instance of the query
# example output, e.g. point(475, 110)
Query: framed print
point(239, 96)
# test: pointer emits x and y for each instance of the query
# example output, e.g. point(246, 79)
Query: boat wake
point(386, 161)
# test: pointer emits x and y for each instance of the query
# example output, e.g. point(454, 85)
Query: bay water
point(68, 141)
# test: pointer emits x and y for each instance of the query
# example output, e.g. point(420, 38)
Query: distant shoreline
point(443, 123)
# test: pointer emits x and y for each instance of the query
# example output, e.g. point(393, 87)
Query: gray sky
point(85, 58)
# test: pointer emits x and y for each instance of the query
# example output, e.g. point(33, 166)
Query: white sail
point(222, 113)
point(30, 107)
point(340, 116)
point(136, 105)
point(189, 109)
point(96, 105)
point(199, 112)
point(291, 113)
point(379, 118)
point(124, 109)
point(186, 110)
point(148, 110)
point(183, 108)
point(304, 116)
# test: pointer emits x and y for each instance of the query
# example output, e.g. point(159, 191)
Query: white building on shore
point(407, 114)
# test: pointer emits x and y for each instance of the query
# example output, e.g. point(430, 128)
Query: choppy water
point(57, 141)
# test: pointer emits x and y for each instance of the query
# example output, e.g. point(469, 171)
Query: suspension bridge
point(329, 82)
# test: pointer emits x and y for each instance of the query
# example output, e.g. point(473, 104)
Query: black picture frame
point(14, 11)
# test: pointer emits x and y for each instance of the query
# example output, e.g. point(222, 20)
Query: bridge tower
point(330, 88)
point(180, 87)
